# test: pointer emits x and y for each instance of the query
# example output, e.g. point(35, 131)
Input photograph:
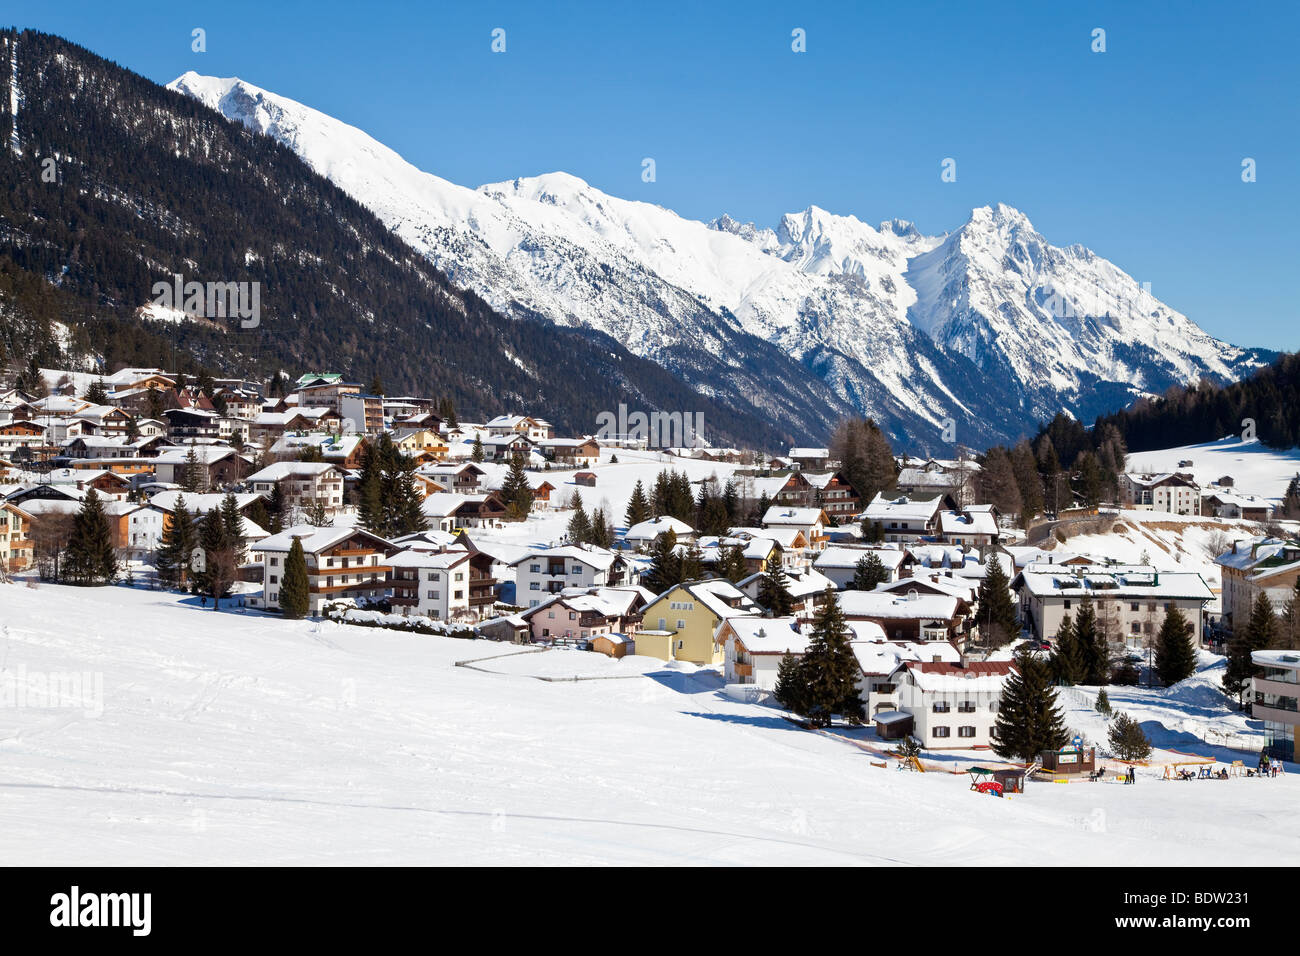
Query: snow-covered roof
point(767, 635)
point(1123, 581)
point(595, 557)
point(651, 529)
point(905, 606)
point(784, 515)
point(901, 508)
point(971, 522)
point(433, 560)
point(844, 558)
point(945, 677)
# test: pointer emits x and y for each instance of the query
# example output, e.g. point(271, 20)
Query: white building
point(952, 705)
point(753, 647)
point(432, 583)
point(840, 563)
point(541, 574)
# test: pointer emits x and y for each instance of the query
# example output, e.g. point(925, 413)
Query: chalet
point(506, 447)
point(15, 538)
point(550, 571)
point(20, 434)
point(578, 617)
point(840, 563)
point(464, 478)
point(1130, 601)
point(341, 563)
point(642, 534)
point(975, 526)
point(1173, 493)
point(937, 477)
point(304, 484)
point(436, 584)
point(880, 662)
point(1228, 504)
point(449, 511)
point(791, 541)
point(571, 452)
point(1268, 566)
point(424, 446)
point(810, 459)
point(680, 623)
point(811, 522)
point(219, 465)
point(953, 705)
point(911, 616)
point(536, 430)
point(185, 424)
point(756, 550)
point(808, 590)
point(902, 519)
point(832, 492)
point(752, 648)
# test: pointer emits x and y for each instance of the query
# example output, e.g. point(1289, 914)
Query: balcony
point(743, 670)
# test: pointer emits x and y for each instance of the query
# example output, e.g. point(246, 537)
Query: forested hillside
point(147, 183)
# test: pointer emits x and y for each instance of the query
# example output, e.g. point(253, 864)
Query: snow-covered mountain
point(990, 325)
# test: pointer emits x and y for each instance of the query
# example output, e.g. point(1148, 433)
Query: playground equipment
point(981, 781)
point(911, 763)
point(1176, 771)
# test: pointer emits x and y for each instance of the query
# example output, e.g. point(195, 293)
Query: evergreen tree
point(868, 573)
point(179, 539)
point(791, 690)
point(665, 564)
point(1175, 654)
point(516, 491)
point(376, 385)
point(638, 507)
point(408, 515)
point(1067, 665)
point(193, 474)
point(732, 565)
point(218, 568)
point(234, 522)
point(89, 557)
point(1094, 648)
point(97, 394)
point(602, 532)
point(1259, 634)
point(275, 508)
point(996, 612)
point(830, 668)
point(477, 454)
point(872, 531)
point(295, 599)
point(1288, 636)
point(692, 563)
point(1103, 703)
point(1029, 720)
point(773, 589)
point(1127, 740)
point(580, 523)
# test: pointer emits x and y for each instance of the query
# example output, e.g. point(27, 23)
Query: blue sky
point(1135, 152)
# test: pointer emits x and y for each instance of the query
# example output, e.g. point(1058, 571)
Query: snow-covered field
point(1257, 469)
point(233, 738)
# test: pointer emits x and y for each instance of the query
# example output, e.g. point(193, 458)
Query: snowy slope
point(910, 328)
point(239, 739)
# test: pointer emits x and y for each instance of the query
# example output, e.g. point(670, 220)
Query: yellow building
point(424, 445)
point(15, 538)
point(680, 623)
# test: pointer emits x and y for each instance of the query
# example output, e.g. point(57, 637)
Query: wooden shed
point(893, 724)
point(587, 478)
point(613, 645)
point(1070, 760)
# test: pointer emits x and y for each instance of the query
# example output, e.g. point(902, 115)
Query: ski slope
point(225, 738)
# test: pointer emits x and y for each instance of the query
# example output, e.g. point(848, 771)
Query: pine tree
point(97, 394)
point(1260, 634)
point(580, 524)
point(665, 564)
point(1094, 649)
point(1288, 637)
point(234, 523)
point(1127, 740)
point(408, 515)
point(1067, 665)
point(1103, 703)
point(868, 573)
point(830, 668)
point(516, 491)
point(791, 690)
point(1175, 655)
point(218, 569)
point(602, 533)
point(476, 455)
point(295, 600)
point(732, 564)
point(275, 509)
point(773, 589)
point(1029, 720)
point(692, 563)
point(179, 539)
point(192, 474)
point(89, 557)
point(638, 508)
point(996, 612)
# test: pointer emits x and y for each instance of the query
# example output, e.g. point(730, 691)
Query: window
point(940, 707)
point(966, 707)
point(274, 579)
point(534, 586)
point(457, 595)
point(681, 625)
point(1134, 607)
point(965, 731)
point(1067, 604)
point(275, 562)
point(993, 707)
point(534, 568)
point(939, 732)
